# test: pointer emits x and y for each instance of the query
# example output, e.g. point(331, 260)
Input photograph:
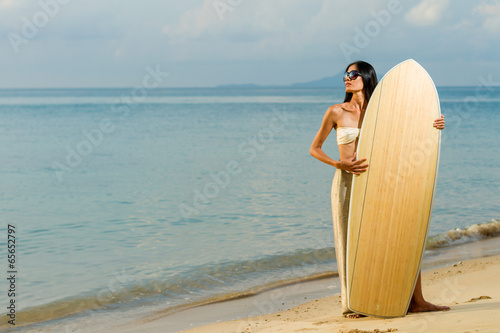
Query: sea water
point(127, 203)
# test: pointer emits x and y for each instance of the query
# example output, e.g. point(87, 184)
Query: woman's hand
point(439, 123)
point(353, 166)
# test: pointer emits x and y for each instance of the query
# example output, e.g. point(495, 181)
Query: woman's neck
point(358, 100)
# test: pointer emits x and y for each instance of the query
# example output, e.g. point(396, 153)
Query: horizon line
point(220, 86)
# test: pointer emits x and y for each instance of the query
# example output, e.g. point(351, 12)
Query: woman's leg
point(341, 193)
point(418, 303)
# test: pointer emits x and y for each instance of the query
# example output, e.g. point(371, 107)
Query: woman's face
point(353, 85)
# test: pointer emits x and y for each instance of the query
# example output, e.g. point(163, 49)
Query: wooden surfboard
point(391, 203)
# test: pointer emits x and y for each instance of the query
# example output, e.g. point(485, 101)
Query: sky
point(204, 43)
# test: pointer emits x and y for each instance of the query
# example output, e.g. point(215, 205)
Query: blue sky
point(110, 43)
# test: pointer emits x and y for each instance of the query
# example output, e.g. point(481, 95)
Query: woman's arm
point(329, 121)
point(350, 164)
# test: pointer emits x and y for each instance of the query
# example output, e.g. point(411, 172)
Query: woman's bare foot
point(419, 304)
point(354, 315)
point(424, 306)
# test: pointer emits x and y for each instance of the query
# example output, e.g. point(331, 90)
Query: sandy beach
point(463, 277)
point(470, 288)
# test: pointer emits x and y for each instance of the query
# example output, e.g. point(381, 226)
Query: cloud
point(194, 22)
point(241, 29)
point(491, 13)
point(5, 4)
point(262, 29)
point(225, 18)
point(11, 12)
point(427, 12)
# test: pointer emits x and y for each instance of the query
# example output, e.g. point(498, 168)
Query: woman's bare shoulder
point(336, 110)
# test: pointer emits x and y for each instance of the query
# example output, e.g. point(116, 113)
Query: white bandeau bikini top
point(346, 135)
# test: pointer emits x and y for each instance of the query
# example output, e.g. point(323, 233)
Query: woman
point(360, 80)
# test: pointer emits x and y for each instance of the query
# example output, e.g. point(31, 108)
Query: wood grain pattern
point(391, 203)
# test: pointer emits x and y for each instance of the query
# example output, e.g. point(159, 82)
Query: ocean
point(124, 201)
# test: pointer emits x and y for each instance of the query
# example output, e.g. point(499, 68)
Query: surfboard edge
point(433, 189)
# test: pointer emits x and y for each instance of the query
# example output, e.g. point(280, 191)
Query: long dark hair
point(368, 76)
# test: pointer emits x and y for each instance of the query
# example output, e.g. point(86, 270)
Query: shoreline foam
point(469, 234)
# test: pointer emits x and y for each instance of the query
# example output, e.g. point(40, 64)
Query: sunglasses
point(352, 75)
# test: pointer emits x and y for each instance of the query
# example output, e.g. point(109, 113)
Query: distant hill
point(335, 81)
point(239, 86)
